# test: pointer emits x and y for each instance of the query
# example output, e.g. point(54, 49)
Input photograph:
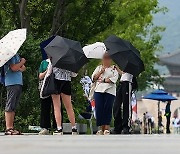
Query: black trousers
point(122, 114)
point(168, 124)
point(45, 119)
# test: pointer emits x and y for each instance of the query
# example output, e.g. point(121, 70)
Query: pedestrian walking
point(13, 81)
point(168, 117)
point(144, 123)
point(105, 77)
point(46, 103)
point(176, 124)
point(149, 122)
point(122, 116)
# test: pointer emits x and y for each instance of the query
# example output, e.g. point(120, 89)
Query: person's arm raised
point(97, 75)
point(18, 66)
point(118, 70)
point(22, 69)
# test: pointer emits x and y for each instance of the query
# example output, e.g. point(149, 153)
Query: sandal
point(100, 132)
point(106, 132)
point(11, 131)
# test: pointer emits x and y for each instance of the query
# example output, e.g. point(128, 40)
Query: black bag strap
point(2, 72)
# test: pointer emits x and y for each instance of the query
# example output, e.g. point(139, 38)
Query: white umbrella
point(96, 50)
point(10, 44)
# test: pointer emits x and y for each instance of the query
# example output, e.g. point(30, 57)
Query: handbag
point(49, 86)
point(92, 90)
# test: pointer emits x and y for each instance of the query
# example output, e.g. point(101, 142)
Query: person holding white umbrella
point(13, 66)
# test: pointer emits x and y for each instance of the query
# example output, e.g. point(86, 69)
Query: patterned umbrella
point(10, 44)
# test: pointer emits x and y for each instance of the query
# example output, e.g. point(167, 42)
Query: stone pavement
point(87, 144)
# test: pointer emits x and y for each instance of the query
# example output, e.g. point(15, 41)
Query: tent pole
point(158, 115)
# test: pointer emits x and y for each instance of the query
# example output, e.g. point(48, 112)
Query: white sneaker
point(100, 132)
point(58, 132)
point(44, 131)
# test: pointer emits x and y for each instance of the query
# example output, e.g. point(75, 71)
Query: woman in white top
point(105, 77)
point(63, 84)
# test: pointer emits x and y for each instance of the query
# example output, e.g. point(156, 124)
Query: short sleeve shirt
point(43, 66)
point(62, 74)
point(110, 73)
point(11, 77)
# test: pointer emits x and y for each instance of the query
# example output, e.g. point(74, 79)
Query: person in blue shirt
point(13, 82)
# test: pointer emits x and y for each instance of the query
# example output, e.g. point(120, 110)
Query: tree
point(87, 21)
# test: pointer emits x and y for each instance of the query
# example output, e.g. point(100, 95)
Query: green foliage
point(87, 21)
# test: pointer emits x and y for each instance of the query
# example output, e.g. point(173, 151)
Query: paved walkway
point(86, 144)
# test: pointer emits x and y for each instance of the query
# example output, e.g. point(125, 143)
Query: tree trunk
point(57, 17)
point(24, 18)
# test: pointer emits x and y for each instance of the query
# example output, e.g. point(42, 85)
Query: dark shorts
point(13, 96)
point(63, 87)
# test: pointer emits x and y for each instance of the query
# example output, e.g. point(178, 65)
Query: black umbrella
point(125, 55)
point(66, 54)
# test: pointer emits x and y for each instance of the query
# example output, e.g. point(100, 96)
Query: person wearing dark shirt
point(168, 116)
point(46, 103)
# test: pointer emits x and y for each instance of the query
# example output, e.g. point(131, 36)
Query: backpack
point(134, 84)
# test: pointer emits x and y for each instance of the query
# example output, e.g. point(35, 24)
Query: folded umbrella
point(95, 51)
point(10, 44)
point(66, 54)
point(125, 55)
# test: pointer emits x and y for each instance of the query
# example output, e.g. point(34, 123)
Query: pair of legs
point(104, 104)
point(13, 96)
point(168, 124)
point(122, 115)
point(66, 99)
point(149, 124)
point(45, 120)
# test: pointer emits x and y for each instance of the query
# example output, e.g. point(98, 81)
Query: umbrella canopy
point(66, 54)
point(160, 95)
point(96, 50)
point(125, 55)
point(43, 45)
point(159, 91)
point(10, 44)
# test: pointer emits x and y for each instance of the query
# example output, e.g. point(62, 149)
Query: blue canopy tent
point(160, 96)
